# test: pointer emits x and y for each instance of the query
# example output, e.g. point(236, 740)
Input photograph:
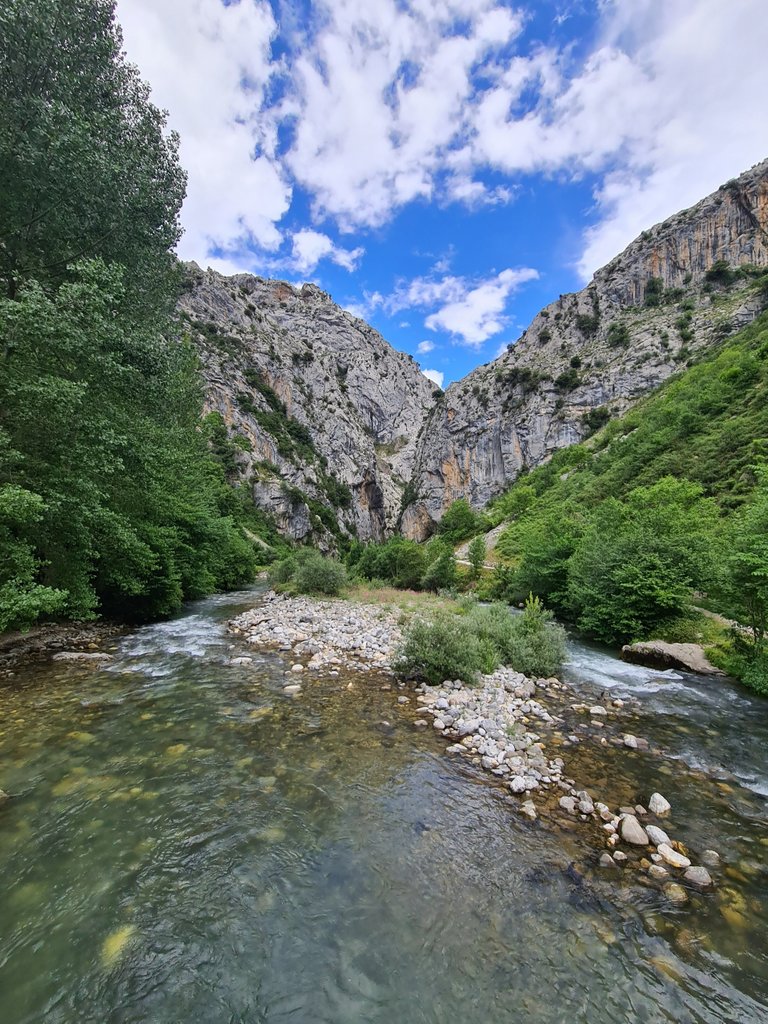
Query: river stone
point(675, 893)
point(659, 805)
point(698, 876)
point(528, 808)
point(467, 728)
point(711, 858)
point(292, 688)
point(3, 797)
point(658, 871)
point(630, 741)
point(438, 724)
point(607, 861)
point(620, 857)
point(677, 860)
point(586, 807)
point(598, 709)
point(657, 835)
point(632, 831)
point(518, 784)
point(297, 668)
point(568, 803)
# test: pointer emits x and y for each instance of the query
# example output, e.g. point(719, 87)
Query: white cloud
point(436, 376)
point(424, 347)
point(309, 247)
point(372, 106)
point(383, 95)
point(476, 314)
point(210, 66)
point(701, 107)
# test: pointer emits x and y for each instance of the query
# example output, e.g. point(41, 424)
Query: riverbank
point(505, 725)
point(84, 641)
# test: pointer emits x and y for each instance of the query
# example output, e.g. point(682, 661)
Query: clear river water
point(185, 843)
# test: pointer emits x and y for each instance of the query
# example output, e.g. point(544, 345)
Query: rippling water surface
point(184, 843)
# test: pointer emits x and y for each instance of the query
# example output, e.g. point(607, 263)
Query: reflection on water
point(185, 843)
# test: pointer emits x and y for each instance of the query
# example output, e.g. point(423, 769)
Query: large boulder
point(660, 654)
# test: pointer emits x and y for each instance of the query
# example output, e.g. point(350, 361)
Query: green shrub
point(568, 380)
point(755, 675)
point(441, 573)
point(618, 335)
point(460, 647)
point(282, 572)
point(443, 648)
point(654, 290)
point(476, 554)
point(459, 522)
point(319, 575)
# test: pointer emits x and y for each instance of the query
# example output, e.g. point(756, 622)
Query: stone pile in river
point(327, 634)
point(495, 724)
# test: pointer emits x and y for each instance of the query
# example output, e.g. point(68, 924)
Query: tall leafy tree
point(109, 498)
point(639, 559)
point(86, 166)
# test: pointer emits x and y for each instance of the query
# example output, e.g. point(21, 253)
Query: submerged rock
point(657, 835)
point(659, 805)
point(677, 860)
point(698, 876)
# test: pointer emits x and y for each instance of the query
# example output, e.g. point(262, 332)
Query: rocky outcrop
point(660, 654)
point(312, 410)
point(589, 356)
point(336, 434)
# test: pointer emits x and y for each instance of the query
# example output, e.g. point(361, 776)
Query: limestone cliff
point(319, 414)
point(588, 356)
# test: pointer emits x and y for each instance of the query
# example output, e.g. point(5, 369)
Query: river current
point(185, 843)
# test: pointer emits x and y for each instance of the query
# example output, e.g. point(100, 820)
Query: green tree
point(476, 554)
point(129, 514)
point(459, 522)
point(747, 582)
point(440, 573)
point(86, 166)
point(639, 559)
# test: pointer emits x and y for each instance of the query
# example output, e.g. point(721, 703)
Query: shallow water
point(185, 843)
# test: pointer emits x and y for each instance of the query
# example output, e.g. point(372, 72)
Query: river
point(185, 843)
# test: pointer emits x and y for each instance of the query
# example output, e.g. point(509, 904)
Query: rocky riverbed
point(503, 725)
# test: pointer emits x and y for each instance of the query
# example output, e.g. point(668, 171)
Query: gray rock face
point(318, 408)
point(599, 349)
point(334, 432)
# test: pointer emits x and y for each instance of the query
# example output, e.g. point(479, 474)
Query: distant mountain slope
point(708, 425)
point(590, 356)
point(318, 414)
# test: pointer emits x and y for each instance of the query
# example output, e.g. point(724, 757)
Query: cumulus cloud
point(436, 376)
point(369, 107)
point(309, 247)
point(425, 347)
point(210, 65)
point(382, 97)
point(474, 314)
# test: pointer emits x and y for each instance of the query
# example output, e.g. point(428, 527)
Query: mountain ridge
point(337, 435)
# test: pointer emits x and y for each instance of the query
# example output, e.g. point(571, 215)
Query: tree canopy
point(110, 500)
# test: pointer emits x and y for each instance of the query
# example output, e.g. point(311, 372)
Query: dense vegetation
point(109, 498)
point(406, 564)
point(306, 571)
point(618, 533)
point(462, 644)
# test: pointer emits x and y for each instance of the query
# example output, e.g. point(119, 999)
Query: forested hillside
point(109, 498)
point(617, 532)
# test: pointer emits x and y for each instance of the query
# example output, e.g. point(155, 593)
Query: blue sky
point(444, 168)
